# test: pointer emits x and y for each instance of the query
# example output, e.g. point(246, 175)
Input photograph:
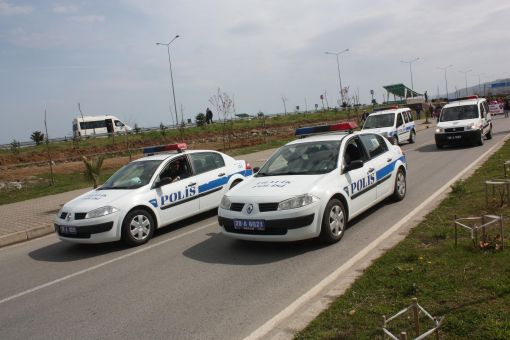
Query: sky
point(103, 55)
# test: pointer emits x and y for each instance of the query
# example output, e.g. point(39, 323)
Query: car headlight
point(473, 126)
point(103, 211)
point(297, 202)
point(439, 130)
point(225, 203)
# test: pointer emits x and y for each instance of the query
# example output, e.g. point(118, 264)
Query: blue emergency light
point(151, 150)
point(347, 127)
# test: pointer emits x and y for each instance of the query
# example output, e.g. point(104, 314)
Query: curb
point(25, 235)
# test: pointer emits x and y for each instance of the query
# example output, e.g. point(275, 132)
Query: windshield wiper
point(114, 188)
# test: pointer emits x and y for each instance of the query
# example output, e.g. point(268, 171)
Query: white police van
point(313, 186)
point(464, 120)
point(395, 123)
point(149, 193)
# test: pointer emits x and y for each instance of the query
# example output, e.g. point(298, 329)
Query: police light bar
point(463, 98)
point(382, 108)
point(312, 130)
point(151, 150)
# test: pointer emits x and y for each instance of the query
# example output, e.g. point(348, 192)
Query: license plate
point(67, 230)
point(454, 137)
point(249, 224)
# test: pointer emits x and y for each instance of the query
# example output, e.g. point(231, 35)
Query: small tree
point(93, 168)
point(162, 129)
point(137, 129)
point(15, 146)
point(200, 119)
point(37, 137)
point(225, 107)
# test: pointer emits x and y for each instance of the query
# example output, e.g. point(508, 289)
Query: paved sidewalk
point(33, 218)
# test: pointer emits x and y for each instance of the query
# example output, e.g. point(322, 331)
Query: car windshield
point(131, 176)
point(302, 159)
point(379, 121)
point(459, 113)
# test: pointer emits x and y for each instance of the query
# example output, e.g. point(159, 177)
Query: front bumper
point(279, 226)
point(95, 230)
point(460, 137)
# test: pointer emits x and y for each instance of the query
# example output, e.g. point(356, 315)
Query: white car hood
point(457, 123)
point(276, 186)
point(96, 199)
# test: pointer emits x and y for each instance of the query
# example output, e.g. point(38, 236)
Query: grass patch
point(469, 286)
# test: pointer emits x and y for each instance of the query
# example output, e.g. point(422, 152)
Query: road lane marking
point(271, 324)
point(100, 265)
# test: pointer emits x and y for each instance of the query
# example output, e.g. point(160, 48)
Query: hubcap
point(336, 220)
point(139, 227)
point(401, 184)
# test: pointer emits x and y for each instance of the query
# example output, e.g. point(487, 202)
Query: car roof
point(325, 137)
point(462, 102)
point(401, 109)
point(168, 155)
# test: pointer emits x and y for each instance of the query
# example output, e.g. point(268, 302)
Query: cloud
point(86, 19)
point(65, 8)
point(8, 9)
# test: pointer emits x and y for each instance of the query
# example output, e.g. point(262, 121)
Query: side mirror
point(354, 165)
point(256, 169)
point(163, 181)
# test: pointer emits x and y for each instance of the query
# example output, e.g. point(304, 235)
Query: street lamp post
point(410, 62)
point(445, 78)
point(171, 77)
point(338, 67)
point(465, 75)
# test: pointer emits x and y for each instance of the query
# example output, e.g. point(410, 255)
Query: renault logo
point(249, 208)
point(68, 217)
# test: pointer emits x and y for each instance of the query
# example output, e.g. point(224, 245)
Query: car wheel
point(137, 227)
point(412, 137)
point(489, 134)
point(395, 140)
point(333, 222)
point(400, 186)
point(480, 141)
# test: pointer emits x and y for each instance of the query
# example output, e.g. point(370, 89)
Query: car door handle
point(221, 175)
point(192, 184)
point(389, 160)
point(371, 170)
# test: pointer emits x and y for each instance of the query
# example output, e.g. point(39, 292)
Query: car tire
point(489, 134)
point(480, 141)
point(412, 137)
point(334, 222)
point(400, 189)
point(138, 227)
point(395, 140)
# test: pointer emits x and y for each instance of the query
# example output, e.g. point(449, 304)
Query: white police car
point(396, 124)
point(149, 193)
point(312, 187)
point(464, 120)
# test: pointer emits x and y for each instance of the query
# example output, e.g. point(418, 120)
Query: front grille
point(263, 207)
point(236, 206)
point(63, 215)
point(457, 129)
point(79, 216)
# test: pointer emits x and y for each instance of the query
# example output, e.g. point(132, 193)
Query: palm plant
point(93, 168)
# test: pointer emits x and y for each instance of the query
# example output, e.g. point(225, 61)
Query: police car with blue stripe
point(395, 123)
point(165, 186)
point(313, 186)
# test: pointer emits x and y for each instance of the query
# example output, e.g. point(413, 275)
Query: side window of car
point(206, 161)
point(353, 151)
point(374, 144)
point(399, 120)
point(410, 115)
point(176, 169)
point(406, 117)
point(482, 110)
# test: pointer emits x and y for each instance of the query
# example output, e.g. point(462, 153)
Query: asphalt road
point(190, 282)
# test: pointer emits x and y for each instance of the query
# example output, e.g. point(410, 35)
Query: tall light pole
point(465, 75)
point(410, 62)
point(445, 78)
point(338, 67)
point(171, 77)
